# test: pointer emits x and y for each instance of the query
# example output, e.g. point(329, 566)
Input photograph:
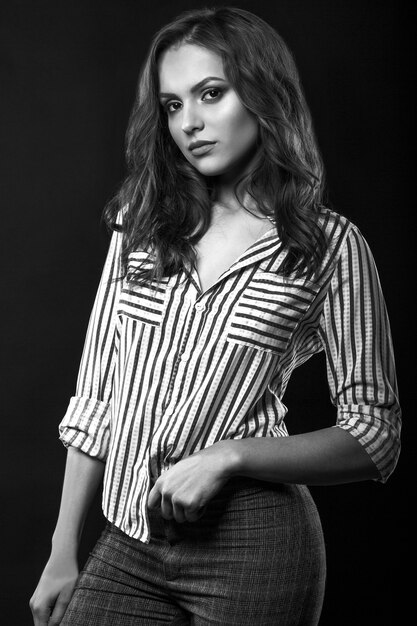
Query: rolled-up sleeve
point(355, 332)
point(86, 424)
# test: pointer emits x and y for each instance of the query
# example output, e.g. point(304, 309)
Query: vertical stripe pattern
point(168, 370)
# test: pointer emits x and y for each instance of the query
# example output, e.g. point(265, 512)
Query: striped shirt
point(168, 370)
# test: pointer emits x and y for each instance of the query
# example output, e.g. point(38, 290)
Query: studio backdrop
point(68, 78)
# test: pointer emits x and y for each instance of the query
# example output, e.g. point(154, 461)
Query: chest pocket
point(269, 311)
point(145, 303)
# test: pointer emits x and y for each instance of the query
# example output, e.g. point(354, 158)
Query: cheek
point(238, 124)
point(174, 131)
point(244, 130)
point(177, 137)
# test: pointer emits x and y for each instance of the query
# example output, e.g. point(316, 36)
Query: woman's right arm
point(83, 475)
point(85, 431)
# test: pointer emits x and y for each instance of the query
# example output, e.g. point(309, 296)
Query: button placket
point(182, 351)
point(184, 354)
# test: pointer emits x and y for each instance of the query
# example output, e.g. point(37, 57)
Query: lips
point(198, 148)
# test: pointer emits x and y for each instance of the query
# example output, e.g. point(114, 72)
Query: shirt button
point(185, 356)
point(199, 307)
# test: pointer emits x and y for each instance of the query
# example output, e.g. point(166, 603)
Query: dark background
point(68, 76)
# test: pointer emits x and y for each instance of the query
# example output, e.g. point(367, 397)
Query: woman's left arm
point(355, 332)
point(323, 457)
point(365, 443)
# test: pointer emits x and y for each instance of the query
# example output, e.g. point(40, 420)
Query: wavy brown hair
point(167, 202)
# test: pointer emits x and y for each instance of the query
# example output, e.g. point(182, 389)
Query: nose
point(191, 119)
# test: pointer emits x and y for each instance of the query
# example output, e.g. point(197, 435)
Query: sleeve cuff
point(86, 426)
point(376, 432)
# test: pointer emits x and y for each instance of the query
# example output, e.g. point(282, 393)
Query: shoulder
point(335, 226)
point(342, 236)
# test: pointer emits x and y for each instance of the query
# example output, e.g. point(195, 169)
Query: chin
point(209, 172)
point(209, 169)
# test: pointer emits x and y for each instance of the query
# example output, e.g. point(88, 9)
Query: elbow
point(379, 434)
point(386, 457)
point(384, 450)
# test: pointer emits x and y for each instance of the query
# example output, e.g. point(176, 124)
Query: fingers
point(40, 616)
point(154, 498)
point(59, 610)
point(192, 515)
point(167, 507)
point(51, 597)
point(178, 513)
point(174, 506)
point(40, 612)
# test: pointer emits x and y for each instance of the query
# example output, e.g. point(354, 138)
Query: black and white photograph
point(206, 357)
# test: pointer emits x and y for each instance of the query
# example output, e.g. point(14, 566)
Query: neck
point(225, 185)
point(227, 204)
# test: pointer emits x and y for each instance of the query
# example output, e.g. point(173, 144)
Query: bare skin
point(231, 232)
point(324, 457)
point(83, 475)
point(328, 456)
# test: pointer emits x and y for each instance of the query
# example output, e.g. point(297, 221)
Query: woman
point(224, 273)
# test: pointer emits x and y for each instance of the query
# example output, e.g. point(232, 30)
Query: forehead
point(183, 66)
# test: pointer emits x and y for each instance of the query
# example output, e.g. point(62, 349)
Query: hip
point(250, 510)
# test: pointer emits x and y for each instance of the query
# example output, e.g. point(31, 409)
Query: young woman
point(224, 273)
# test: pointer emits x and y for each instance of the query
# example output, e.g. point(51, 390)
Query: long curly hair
point(167, 202)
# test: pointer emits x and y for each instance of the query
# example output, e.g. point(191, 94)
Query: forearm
point(83, 474)
point(323, 457)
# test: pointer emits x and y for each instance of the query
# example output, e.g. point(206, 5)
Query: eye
point(172, 107)
point(212, 94)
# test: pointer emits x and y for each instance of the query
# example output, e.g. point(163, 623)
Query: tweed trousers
point(256, 557)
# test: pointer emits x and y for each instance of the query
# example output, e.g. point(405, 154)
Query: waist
point(243, 502)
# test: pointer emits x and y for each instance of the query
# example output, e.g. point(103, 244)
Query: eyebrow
point(195, 88)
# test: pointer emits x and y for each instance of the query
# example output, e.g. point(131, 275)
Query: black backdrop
point(68, 75)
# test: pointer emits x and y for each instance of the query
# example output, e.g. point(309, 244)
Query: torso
point(226, 240)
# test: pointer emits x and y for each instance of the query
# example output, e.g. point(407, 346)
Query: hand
point(53, 593)
point(184, 490)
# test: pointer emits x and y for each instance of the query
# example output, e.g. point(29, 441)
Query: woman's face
point(206, 118)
